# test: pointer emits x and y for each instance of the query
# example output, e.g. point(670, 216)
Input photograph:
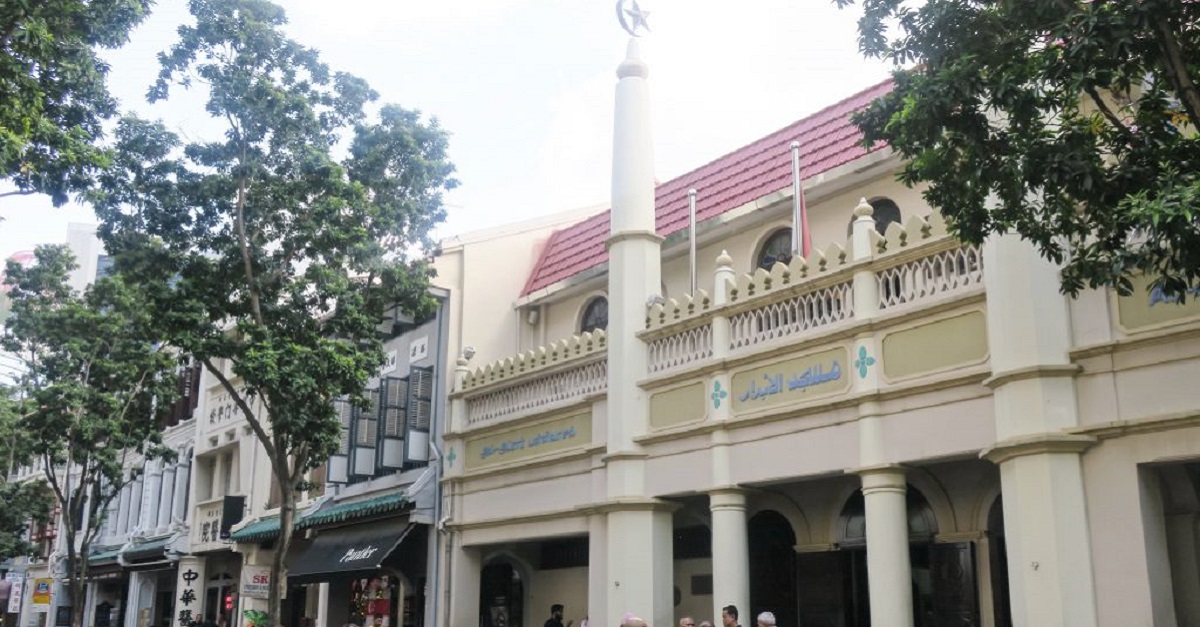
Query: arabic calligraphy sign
point(520, 443)
point(793, 381)
point(1148, 308)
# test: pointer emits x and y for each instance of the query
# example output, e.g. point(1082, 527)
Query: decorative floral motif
point(451, 456)
point(863, 362)
point(718, 394)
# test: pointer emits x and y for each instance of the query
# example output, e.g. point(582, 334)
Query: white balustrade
point(792, 316)
point(920, 279)
point(533, 393)
point(681, 349)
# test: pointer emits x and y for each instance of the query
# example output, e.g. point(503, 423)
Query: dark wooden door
point(955, 594)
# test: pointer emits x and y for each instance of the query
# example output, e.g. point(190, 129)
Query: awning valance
point(348, 549)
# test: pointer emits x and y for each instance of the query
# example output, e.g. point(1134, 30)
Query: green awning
point(146, 550)
point(258, 531)
point(342, 512)
point(104, 555)
point(267, 528)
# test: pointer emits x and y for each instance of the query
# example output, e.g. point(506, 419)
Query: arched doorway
point(942, 574)
point(501, 595)
point(772, 567)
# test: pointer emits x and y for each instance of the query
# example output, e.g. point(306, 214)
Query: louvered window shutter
point(419, 414)
point(365, 437)
point(339, 462)
point(395, 402)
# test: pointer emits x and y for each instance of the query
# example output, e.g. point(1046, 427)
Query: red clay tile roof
point(827, 138)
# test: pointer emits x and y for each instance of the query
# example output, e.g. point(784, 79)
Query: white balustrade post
point(866, 286)
point(458, 406)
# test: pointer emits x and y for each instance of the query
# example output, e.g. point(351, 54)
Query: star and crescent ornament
point(632, 17)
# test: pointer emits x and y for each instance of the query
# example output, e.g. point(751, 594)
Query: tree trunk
point(287, 516)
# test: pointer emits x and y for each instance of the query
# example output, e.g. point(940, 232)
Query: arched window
point(884, 210)
point(776, 249)
point(595, 315)
point(501, 595)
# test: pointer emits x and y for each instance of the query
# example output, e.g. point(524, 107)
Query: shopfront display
point(373, 601)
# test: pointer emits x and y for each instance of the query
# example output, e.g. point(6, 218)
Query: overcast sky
point(525, 88)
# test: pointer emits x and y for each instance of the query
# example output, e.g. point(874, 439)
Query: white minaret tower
point(637, 529)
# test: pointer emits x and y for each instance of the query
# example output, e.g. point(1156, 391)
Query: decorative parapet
point(556, 354)
point(672, 311)
point(915, 232)
point(819, 263)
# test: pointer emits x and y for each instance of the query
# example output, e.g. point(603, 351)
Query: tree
point(95, 387)
point(54, 99)
point(1071, 123)
point(25, 502)
point(278, 250)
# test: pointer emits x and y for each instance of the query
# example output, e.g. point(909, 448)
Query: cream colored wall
point(563, 317)
point(1131, 569)
point(520, 499)
point(697, 606)
point(567, 586)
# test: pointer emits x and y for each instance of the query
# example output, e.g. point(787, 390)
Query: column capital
point(727, 498)
point(1041, 444)
point(881, 477)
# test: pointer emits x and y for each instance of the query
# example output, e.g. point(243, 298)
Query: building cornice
point(1040, 444)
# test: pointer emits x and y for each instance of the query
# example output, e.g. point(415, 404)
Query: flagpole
point(692, 238)
point(797, 203)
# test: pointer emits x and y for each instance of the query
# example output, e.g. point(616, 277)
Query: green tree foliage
point(274, 254)
point(53, 98)
point(1070, 122)
point(96, 387)
point(25, 502)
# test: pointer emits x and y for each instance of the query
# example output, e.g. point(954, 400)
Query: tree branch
point(19, 192)
point(255, 424)
point(1176, 68)
point(243, 242)
point(1103, 107)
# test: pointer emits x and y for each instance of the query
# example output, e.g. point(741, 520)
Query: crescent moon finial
point(633, 18)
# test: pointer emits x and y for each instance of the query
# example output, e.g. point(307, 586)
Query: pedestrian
point(766, 619)
point(556, 615)
point(729, 616)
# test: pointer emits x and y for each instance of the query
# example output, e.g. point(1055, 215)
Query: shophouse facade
point(362, 546)
point(897, 428)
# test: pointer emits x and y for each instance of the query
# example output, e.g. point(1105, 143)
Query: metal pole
point(692, 239)
point(797, 236)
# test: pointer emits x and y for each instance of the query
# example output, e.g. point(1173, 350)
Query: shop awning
point(348, 549)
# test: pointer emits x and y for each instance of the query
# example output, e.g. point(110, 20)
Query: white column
point(150, 492)
point(466, 570)
point(889, 574)
point(322, 617)
point(218, 476)
point(889, 571)
point(135, 506)
point(122, 526)
point(639, 557)
point(166, 493)
point(597, 570)
point(730, 550)
point(1041, 475)
point(179, 498)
